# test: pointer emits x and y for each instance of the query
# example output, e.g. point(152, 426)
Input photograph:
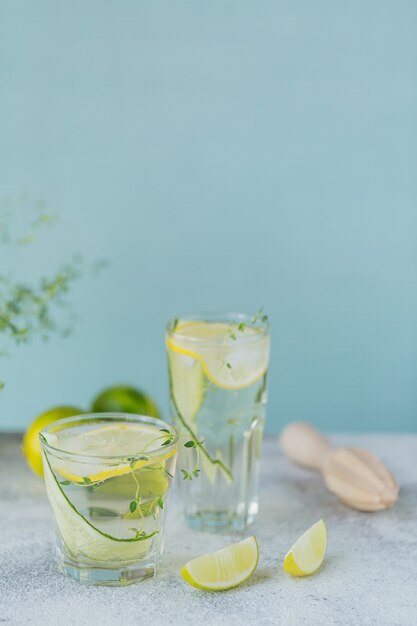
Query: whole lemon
point(125, 399)
point(31, 447)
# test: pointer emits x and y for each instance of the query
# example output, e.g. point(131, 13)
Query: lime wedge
point(307, 554)
point(230, 358)
point(81, 537)
point(223, 569)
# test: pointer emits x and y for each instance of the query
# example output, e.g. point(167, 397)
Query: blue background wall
point(222, 155)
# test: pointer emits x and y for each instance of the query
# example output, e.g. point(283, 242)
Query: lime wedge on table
point(81, 537)
point(230, 358)
point(117, 439)
point(223, 569)
point(307, 554)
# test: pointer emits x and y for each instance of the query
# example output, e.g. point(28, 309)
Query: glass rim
point(262, 325)
point(108, 417)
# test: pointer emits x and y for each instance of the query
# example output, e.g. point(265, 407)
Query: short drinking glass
point(217, 370)
point(107, 477)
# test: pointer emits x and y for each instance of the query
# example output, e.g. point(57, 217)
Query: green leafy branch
point(28, 310)
point(21, 219)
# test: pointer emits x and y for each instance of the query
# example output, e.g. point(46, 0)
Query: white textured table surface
point(369, 576)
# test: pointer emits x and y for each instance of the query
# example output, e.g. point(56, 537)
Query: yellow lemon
point(31, 447)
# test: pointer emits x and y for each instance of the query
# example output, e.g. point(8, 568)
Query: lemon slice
point(118, 439)
point(307, 554)
point(187, 383)
point(230, 358)
point(223, 569)
point(81, 537)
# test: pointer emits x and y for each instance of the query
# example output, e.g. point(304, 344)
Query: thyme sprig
point(260, 315)
point(231, 333)
point(241, 327)
point(168, 437)
point(141, 535)
point(196, 469)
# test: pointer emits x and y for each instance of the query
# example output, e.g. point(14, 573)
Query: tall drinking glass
point(107, 477)
point(217, 371)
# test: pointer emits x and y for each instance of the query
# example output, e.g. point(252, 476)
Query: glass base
point(218, 522)
point(110, 576)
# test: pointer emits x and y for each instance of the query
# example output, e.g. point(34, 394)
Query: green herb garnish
point(260, 315)
point(29, 310)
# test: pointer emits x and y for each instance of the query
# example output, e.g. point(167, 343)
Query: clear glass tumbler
point(107, 477)
point(217, 372)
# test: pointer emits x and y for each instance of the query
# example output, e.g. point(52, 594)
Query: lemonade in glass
point(218, 387)
point(107, 477)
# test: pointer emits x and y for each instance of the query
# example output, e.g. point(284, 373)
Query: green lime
point(31, 447)
point(125, 399)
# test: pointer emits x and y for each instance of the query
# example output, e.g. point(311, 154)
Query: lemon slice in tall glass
point(227, 361)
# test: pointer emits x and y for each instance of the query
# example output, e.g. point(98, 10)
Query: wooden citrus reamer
point(355, 476)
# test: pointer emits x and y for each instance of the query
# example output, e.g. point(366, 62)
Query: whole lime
point(125, 399)
point(31, 446)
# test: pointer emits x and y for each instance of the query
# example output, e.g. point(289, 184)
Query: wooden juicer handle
point(305, 445)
